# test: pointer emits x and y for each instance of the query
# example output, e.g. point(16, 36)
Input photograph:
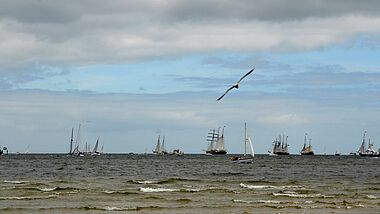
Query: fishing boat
point(95, 150)
point(215, 140)
point(370, 151)
point(160, 147)
point(280, 146)
point(306, 150)
point(177, 152)
point(246, 158)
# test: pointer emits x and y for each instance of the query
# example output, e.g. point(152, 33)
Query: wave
point(270, 202)
point(48, 189)
point(15, 182)
point(298, 195)
point(372, 197)
point(27, 197)
point(148, 189)
point(269, 187)
point(241, 201)
point(164, 181)
point(118, 192)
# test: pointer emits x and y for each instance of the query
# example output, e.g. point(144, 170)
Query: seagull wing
point(225, 93)
point(249, 72)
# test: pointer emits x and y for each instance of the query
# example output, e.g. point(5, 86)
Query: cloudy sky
point(129, 71)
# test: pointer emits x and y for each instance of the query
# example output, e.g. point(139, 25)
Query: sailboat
point(76, 150)
point(216, 142)
point(246, 158)
point(95, 151)
point(160, 147)
point(306, 150)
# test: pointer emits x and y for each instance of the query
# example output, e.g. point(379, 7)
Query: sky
point(128, 71)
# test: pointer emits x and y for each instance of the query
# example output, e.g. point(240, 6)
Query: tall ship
point(280, 146)
point(307, 150)
point(215, 140)
point(160, 147)
point(370, 151)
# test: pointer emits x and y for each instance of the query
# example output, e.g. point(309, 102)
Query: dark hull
point(217, 152)
point(308, 153)
point(369, 155)
point(281, 153)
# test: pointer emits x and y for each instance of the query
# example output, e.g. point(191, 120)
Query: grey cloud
point(76, 33)
point(275, 10)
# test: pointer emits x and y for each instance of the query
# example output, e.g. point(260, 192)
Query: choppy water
point(188, 184)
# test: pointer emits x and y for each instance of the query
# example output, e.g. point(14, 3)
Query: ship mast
point(71, 141)
point(245, 139)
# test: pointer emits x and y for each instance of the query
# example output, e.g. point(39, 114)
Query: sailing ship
point(245, 158)
point(215, 141)
point(370, 151)
point(95, 150)
point(75, 150)
point(280, 146)
point(306, 150)
point(160, 147)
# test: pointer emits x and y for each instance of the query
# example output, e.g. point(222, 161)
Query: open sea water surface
point(110, 183)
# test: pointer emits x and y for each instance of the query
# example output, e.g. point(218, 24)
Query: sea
point(192, 183)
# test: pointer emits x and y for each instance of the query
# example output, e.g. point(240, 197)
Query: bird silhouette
point(236, 85)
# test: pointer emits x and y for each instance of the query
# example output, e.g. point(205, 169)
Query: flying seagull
point(236, 85)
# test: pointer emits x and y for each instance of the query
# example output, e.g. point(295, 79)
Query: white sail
point(77, 142)
point(252, 151)
point(220, 143)
point(157, 150)
point(96, 146)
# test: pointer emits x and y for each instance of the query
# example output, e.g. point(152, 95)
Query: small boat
point(216, 142)
point(337, 153)
point(306, 150)
point(246, 158)
point(177, 152)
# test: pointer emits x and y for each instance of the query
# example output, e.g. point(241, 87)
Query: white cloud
point(283, 119)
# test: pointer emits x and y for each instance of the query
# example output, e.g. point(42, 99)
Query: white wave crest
point(241, 201)
point(372, 197)
point(148, 189)
point(27, 197)
point(146, 182)
point(298, 195)
point(258, 187)
point(47, 189)
point(15, 182)
point(269, 202)
point(116, 208)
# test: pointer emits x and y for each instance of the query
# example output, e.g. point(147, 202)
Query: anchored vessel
point(306, 150)
point(280, 146)
point(160, 147)
point(74, 147)
point(246, 158)
point(215, 141)
point(370, 151)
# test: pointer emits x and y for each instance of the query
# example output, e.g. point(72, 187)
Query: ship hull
point(308, 153)
point(369, 155)
point(281, 153)
point(217, 152)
